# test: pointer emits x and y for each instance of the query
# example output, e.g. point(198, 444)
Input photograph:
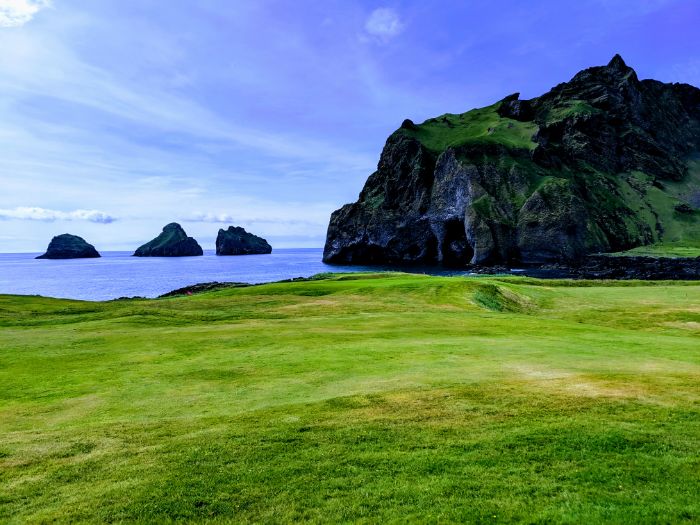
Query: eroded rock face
point(605, 162)
point(236, 241)
point(172, 242)
point(389, 222)
point(67, 246)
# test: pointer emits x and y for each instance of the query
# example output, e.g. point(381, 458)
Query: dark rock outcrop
point(602, 163)
point(236, 241)
point(639, 267)
point(601, 266)
point(67, 246)
point(172, 242)
point(203, 287)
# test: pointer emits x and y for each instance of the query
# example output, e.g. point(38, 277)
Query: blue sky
point(117, 117)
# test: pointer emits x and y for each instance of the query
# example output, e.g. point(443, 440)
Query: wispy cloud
point(43, 214)
point(384, 23)
point(211, 217)
point(226, 218)
point(15, 13)
point(38, 61)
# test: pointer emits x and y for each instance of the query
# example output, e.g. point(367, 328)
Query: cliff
point(603, 163)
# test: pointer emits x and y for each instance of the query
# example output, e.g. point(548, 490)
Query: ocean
point(118, 274)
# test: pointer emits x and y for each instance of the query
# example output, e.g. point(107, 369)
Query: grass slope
point(478, 126)
point(382, 398)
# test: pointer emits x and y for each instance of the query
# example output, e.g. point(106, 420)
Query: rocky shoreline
point(639, 267)
point(216, 285)
point(609, 267)
point(203, 287)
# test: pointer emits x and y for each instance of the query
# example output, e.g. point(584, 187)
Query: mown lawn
point(356, 398)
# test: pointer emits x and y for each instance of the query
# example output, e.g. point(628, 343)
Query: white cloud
point(211, 217)
point(36, 62)
point(15, 13)
point(43, 214)
point(383, 23)
point(226, 218)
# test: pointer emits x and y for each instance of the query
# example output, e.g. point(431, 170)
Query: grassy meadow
point(356, 398)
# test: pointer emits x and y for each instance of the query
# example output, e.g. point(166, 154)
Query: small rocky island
point(172, 242)
point(236, 241)
point(67, 246)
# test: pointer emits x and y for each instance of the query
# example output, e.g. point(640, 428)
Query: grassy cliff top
point(484, 126)
point(375, 397)
point(478, 126)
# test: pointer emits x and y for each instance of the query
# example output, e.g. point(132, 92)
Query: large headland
point(603, 163)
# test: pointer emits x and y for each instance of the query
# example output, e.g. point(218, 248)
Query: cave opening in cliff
point(456, 251)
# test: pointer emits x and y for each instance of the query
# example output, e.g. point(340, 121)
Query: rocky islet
point(172, 242)
point(236, 241)
point(67, 246)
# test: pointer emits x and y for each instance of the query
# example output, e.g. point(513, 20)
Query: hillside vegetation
point(364, 397)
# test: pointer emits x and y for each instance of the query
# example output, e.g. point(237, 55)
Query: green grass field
point(356, 398)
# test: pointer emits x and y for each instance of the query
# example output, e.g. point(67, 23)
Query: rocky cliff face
point(602, 163)
point(67, 246)
point(172, 242)
point(236, 241)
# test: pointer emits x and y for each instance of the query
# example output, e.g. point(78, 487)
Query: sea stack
point(236, 241)
point(67, 246)
point(172, 242)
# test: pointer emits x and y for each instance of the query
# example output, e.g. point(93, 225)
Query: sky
point(120, 116)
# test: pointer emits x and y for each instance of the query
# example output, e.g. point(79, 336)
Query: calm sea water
point(118, 274)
